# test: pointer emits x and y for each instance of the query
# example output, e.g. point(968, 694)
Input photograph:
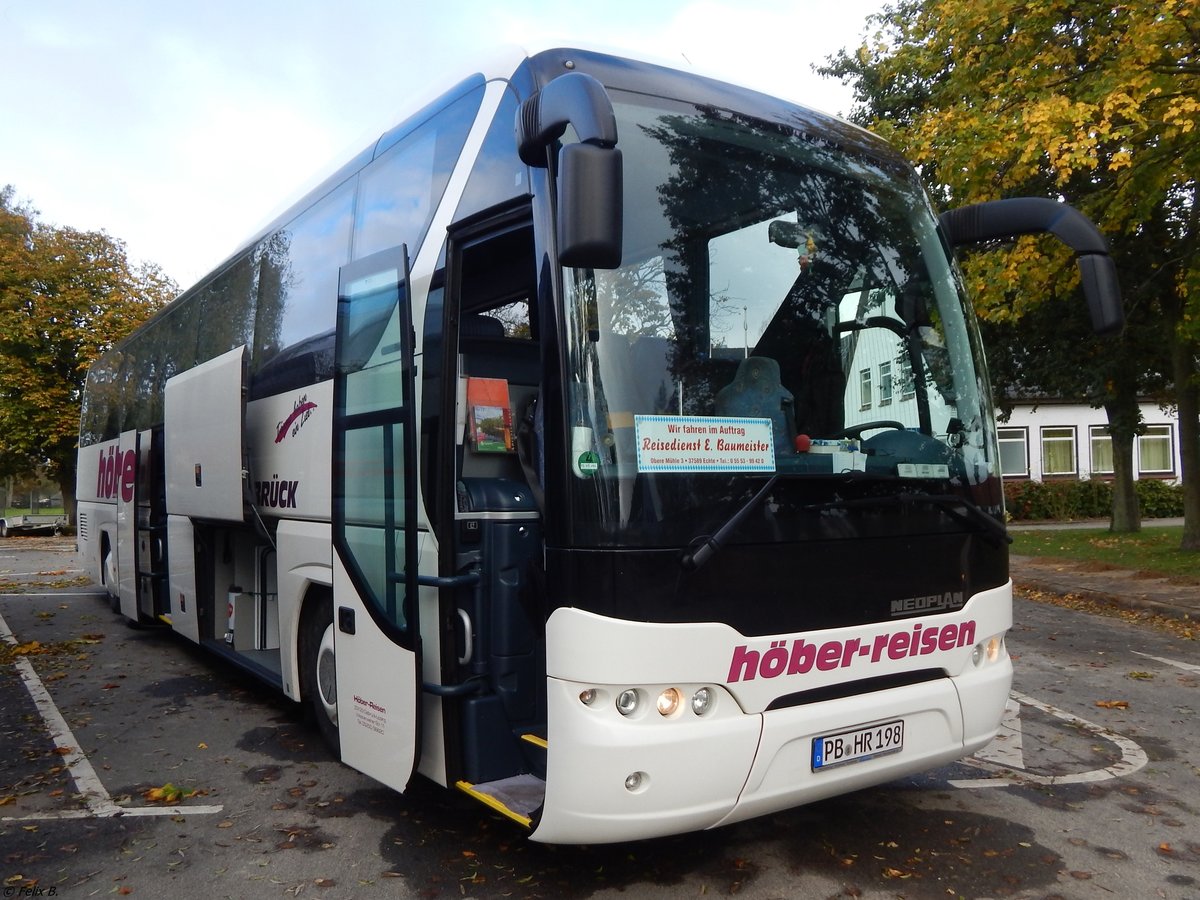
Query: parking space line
point(56, 572)
point(88, 784)
point(1187, 667)
point(1133, 757)
point(26, 595)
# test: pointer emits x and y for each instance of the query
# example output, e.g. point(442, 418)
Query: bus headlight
point(588, 697)
point(702, 701)
point(987, 652)
point(627, 702)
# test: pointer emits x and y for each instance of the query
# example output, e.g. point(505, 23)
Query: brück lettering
point(276, 494)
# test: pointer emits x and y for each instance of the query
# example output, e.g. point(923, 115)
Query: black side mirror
point(589, 173)
point(589, 207)
point(997, 219)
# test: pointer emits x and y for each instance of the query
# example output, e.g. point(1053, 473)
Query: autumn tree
point(65, 297)
point(1097, 103)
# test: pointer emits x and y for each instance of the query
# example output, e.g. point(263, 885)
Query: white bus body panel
point(181, 544)
point(203, 413)
point(96, 489)
point(742, 760)
point(303, 557)
point(289, 436)
point(376, 691)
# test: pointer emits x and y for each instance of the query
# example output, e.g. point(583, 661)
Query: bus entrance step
point(518, 797)
point(536, 739)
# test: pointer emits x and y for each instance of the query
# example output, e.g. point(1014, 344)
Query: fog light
point(588, 697)
point(636, 781)
point(668, 702)
point(994, 646)
point(701, 701)
point(627, 702)
point(977, 655)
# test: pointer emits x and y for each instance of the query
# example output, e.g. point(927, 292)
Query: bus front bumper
point(611, 778)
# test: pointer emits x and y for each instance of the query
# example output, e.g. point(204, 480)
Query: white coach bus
point(607, 442)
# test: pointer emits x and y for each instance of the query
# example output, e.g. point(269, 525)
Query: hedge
point(1067, 500)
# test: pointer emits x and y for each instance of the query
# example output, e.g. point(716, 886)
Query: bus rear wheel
point(318, 672)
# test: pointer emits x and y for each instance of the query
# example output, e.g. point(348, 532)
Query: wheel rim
point(327, 675)
point(110, 573)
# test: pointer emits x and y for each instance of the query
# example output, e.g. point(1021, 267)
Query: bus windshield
point(785, 305)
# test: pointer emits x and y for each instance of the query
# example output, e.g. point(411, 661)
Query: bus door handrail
point(477, 680)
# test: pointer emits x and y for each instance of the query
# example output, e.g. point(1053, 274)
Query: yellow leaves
point(28, 649)
point(170, 794)
point(1122, 159)
point(1113, 704)
point(1182, 112)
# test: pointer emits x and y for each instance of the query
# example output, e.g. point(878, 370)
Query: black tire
point(318, 678)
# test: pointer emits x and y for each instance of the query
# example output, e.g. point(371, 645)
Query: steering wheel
point(857, 430)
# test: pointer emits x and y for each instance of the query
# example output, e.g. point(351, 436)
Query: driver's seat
point(757, 393)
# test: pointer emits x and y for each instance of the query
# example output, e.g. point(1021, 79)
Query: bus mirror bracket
point(1000, 219)
point(589, 173)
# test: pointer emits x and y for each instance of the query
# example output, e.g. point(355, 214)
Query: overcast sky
point(180, 128)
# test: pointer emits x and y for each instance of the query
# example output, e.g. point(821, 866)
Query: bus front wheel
point(319, 675)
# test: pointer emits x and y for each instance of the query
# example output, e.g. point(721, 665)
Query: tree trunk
point(1126, 513)
point(1124, 420)
point(66, 486)
point(1187, 402)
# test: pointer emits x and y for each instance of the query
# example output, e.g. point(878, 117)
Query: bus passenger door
point(375, 629)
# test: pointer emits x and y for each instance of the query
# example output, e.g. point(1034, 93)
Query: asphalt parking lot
point(131, 763)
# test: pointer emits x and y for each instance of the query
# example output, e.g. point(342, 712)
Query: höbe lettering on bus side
point(802, 657)
point(117, 470)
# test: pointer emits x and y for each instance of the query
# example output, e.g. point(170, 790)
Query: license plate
point(857, 745)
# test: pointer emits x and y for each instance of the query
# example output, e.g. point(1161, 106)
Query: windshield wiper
point(951, 503)
point(702, 554)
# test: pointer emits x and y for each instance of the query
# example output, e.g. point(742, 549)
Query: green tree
point(65, 297)
point(1095, 102)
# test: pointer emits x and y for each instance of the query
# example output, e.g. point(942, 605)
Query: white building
point(1059, 440)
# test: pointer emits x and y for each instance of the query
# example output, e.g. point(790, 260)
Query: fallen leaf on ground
point(170, 793)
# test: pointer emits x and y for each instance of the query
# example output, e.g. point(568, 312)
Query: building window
point(885, 384)
point(864, 389)
point(1058, 451)
point(908, 383)
point(1156, 455)
point(1014, 452)
point(1102, 450)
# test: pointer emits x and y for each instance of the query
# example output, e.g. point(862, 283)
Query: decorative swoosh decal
point(299, 411)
